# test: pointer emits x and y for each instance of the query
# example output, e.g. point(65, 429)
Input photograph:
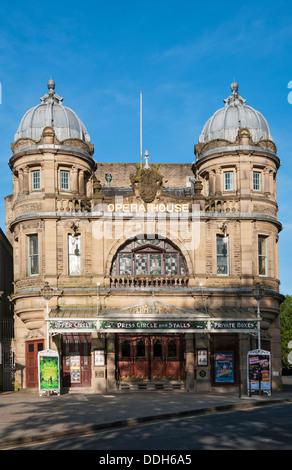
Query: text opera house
point(149, 269)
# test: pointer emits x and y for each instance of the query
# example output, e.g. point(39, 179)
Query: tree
point(286, 330)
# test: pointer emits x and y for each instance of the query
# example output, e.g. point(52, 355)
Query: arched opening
point(149, 262)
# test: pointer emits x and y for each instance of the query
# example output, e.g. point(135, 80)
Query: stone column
point(111, 362)
point(15, 183)
point(74, 179)
point(20, 176)
point(203, 373)
point(25, 180)
point(190, 363)
point(267, 188)
point(212, 183)
point(81, 182)
point(244, 347)
point(219, 182)
point(236, 181)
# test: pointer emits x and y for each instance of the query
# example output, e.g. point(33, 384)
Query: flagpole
point(141, 129)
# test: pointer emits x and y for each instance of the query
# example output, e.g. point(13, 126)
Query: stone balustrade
point(73, 205)
point(148, 281)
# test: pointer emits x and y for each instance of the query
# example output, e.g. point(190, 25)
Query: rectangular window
point(36, 180)
point(155, 264)
point(222, 256)
point(74, 254)
point(64, 180)
point(141, 264)
point(171, 264)
point(262, 247)
point(228, 181)
point(125, 263)
point(256, 181)
point(33, 255)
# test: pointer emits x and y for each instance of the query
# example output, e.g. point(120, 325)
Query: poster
point(259, 370)
point(99, 357)
point(224, 367)
point(49, 376)
point(75, 368)
point(202, 356)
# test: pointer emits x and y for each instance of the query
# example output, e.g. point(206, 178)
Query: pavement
point(26, 417)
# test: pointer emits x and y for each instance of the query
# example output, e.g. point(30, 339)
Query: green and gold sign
point(49, 371)
point(80, 325)
point(234, 325)
point(153, 325)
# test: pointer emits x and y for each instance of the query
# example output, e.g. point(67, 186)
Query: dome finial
point(51, 84)
point(234, 87)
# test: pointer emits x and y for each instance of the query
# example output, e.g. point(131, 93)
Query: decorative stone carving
point(148, 181)
point(34, 335)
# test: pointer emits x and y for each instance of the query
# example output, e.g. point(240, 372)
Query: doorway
point(76, 360)
point(150, 357)
point(31, 360)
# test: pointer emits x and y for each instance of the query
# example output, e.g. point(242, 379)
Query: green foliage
point(286, 330)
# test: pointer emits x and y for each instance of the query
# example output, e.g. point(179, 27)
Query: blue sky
point(182, 55)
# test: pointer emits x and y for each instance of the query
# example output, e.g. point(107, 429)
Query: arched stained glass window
point(149, 257)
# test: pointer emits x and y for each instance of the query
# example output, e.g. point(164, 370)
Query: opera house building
point(143, 276)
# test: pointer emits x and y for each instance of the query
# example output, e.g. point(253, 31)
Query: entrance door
point(152, 357)
point(173, 357)
point(31, 360)
point(165, 357)
point(133, 357)
point(76, 360)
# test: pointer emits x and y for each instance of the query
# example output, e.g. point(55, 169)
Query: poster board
point(48, 371)
point(202, 357)
point(259, 371)
point(75, 368)
point(224, 367)
point(99, 357)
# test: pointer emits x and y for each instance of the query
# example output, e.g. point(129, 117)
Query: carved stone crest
point(148, 181)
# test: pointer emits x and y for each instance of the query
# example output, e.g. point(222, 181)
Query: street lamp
point(258, 293)
point(47, 294)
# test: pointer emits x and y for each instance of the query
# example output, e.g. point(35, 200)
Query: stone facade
point(6, 315)
point(70, 218)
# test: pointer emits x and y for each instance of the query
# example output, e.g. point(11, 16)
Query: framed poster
point(224, 367)
point(99, 359)
point(75, 368)
point(202, 357)
point(259, 371)
point(49, 371)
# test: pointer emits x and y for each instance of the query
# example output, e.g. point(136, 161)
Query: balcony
point(73, 205)
point(126, 282)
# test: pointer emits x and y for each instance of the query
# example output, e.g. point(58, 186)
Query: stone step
point(168, 386)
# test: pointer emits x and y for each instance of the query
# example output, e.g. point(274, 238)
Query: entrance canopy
point(152, 316)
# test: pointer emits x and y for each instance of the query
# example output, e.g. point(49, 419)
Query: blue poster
point(224, 370)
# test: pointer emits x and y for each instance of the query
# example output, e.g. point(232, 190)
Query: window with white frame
point(64, 180)
point(222, 256)
point(33, 255)
point(262, 255)
point(256, 181)
point(228, 181)
point(35, 180)
point(74, 255)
